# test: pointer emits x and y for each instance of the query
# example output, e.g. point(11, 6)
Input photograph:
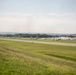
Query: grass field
point(21, 58)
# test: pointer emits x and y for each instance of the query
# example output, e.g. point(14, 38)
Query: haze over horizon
point(38, 16)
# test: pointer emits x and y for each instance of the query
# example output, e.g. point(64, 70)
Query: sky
point(38, 16)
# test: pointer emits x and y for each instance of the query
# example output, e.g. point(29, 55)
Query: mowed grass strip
point(44, 40)
point(19, 58)
point(49, 40)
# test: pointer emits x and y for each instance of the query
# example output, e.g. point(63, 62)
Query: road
point(53, 43)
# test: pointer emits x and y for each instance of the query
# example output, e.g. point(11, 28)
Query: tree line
point(38, 35)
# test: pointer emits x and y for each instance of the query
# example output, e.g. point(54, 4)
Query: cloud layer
point(45, 23)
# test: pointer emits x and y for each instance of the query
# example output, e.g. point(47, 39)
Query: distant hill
point(7, 33)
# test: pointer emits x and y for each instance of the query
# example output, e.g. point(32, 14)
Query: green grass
point(62, 57)
point(20, 58)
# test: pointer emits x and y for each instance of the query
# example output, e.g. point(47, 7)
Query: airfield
point(19, 56)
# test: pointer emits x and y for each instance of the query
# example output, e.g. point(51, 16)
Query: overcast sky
point(39, 16)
